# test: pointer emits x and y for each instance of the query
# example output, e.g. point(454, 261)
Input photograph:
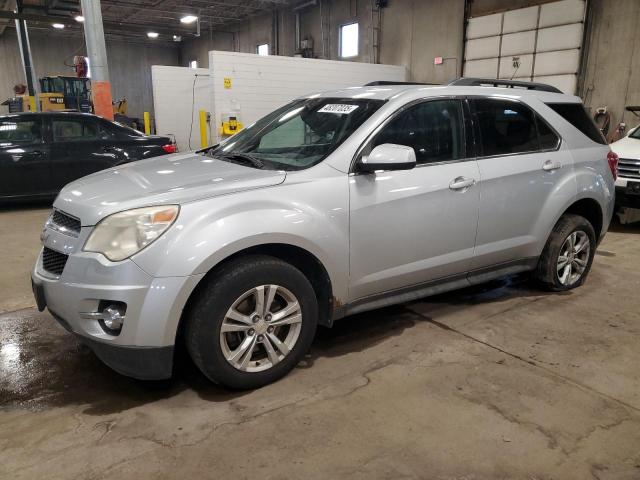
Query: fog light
point(113, 318)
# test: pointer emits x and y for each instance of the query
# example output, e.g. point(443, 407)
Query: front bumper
point(144, 347)
point(143, 363)
point(624, 199)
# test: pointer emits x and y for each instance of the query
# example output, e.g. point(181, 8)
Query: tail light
point(171, 148)
point(612, 159)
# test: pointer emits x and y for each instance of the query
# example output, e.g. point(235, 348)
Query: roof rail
point(491, 82)
point(379, 83)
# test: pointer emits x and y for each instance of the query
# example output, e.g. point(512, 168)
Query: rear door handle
point(37, 153)
point(550, 165)
point(460, 183)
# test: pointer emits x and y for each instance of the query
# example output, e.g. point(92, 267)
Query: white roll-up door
point(540, 43)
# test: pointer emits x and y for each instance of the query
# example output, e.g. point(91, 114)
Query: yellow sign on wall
point(227, 82)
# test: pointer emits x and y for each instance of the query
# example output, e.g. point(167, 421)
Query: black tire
point(208, 311)
point(546, 273)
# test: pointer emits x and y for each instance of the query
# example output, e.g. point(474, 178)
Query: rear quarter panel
point(593, 177)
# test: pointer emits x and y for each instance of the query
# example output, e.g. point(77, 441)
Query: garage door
point(540, 43)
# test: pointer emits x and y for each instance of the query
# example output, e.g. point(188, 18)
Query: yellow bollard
point(204, 141)
point(147, 123)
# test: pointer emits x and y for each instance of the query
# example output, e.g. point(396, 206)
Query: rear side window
point(509, 127)
point(548, 138)
point(577, 115)
point(65, 130)
point(505, 127)
point(20, 131)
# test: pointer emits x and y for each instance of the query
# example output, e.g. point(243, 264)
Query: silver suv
point(337, 203)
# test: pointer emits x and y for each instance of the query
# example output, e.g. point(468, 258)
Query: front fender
point(209, 231)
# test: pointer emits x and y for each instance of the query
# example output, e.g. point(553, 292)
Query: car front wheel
point(252, 322)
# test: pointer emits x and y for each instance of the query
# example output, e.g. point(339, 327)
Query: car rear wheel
point(252, 322)
point(568, 254)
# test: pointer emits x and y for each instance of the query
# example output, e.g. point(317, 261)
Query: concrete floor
point(489, 383)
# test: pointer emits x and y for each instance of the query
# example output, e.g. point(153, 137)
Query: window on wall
point(263, 49)
point(349, 40)
point(193, 64)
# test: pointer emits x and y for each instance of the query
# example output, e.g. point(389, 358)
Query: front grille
point(629, 168)
point(53, 262)
point(65, 223)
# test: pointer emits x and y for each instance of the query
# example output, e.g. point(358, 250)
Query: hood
point(169, 179)
point(627, 147)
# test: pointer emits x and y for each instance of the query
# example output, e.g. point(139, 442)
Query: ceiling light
point(79, 18)
point(152, 34)
point(59, 26)
point(188, 19)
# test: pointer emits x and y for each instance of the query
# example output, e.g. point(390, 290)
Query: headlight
point(123, 234)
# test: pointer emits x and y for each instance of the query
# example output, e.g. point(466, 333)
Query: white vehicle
point(628, 181)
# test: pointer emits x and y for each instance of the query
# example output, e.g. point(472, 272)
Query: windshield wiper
point(244, 157)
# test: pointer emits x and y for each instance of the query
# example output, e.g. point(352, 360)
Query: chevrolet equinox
point(337, 203)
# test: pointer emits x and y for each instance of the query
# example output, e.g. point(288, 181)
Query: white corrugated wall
point(178, 95)
point(260, 84)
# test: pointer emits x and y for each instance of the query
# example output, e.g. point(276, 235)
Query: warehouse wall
point(198, 48)
point(612, 76)
point(413, 33)
point(129, 65)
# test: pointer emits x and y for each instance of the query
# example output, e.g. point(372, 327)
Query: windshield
point(298, 135)
point(636, 133)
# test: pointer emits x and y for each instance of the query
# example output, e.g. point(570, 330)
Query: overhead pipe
point(297, 32)
point(310, 3)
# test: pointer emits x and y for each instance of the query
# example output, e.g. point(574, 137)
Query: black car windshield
point(298, 135)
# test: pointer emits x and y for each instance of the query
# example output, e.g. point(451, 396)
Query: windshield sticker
point(339, 109)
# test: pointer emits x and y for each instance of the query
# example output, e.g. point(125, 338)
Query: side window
point(20, 131)
point(69, 130)
point(106, 130)
point(432, 128)
point(505, 127)
point(576, 115)
point(548, 138)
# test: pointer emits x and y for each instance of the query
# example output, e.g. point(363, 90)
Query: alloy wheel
point(261, 328)
point(573, 258)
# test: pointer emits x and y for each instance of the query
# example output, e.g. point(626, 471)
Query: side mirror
point(388, 156)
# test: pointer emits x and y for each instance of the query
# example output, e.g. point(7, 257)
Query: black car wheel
point(252, 322)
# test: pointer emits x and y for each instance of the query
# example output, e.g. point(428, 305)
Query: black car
point(42, 152)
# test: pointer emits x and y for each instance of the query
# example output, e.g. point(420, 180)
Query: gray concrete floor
point(496, 382)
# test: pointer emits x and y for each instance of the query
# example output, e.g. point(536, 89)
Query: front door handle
point(460, 183)
point(37, 153)
point(550, 165)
